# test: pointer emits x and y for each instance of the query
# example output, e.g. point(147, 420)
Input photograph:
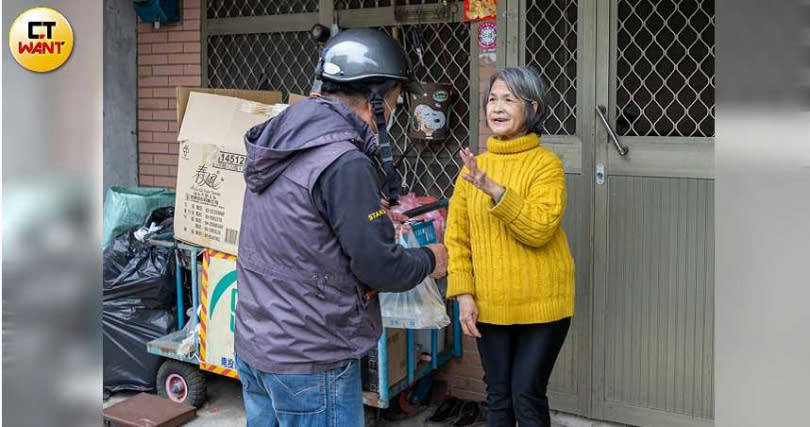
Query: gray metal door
point(654, 213)
point(558, 38)
point(640, 224)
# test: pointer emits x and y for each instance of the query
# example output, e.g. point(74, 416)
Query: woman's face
point(506, 114)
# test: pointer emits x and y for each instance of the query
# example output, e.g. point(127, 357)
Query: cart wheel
point(405, 405)
point(181, 382)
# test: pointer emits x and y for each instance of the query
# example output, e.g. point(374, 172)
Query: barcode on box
point(231, 236)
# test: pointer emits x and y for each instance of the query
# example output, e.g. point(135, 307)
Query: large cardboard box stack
point(210, 185)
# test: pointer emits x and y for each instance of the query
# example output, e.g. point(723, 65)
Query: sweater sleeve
point(460, 278)
point(534, 218)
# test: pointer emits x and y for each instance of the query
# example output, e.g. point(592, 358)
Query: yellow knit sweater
point(513, 257)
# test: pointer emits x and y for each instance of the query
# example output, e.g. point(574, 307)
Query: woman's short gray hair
point(526, 84)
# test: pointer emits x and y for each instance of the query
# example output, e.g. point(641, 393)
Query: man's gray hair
point(526, 84)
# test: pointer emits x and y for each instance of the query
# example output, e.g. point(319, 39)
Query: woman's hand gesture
point(478, 178)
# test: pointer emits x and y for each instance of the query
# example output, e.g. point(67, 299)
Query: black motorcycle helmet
point(372, 62)
point(364, 56)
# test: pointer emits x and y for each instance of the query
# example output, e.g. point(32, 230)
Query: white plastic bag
point(188, 346)
point(422, 307)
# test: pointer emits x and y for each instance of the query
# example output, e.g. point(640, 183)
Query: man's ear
point(536, 106)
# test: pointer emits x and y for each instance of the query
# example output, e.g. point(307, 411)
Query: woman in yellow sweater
point(510, 266)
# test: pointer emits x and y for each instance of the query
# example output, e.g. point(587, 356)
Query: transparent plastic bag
point(422, 307)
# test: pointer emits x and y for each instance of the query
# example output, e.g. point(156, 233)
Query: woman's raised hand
point(478, 178)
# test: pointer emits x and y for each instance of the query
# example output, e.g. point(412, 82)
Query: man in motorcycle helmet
point(315, 241)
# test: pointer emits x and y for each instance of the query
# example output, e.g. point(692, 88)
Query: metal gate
point(251, 42)
point(641, 224)
point(654, 215)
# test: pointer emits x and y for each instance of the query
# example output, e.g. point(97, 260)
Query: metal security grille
point(366, 4)
point(665, 68)
point(235, 8)
point(286, 61)
point(431, 167)
point(361, 4)
point(551, 47)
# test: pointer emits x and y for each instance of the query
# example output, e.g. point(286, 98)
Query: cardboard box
point(262, 96)
point(210, 191)
point(210, 184)
point(397, 361)
point(223, 120)
point(295, 98)
point(218, 291)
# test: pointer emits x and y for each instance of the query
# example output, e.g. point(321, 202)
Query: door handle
point(622, 149)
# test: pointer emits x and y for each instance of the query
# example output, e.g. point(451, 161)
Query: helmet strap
point(386, 154)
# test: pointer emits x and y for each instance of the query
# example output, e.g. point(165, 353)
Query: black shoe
point(447, 410)
point(469, 414)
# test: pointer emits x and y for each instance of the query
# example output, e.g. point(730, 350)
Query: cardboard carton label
point(210, 185)
point(210, 190)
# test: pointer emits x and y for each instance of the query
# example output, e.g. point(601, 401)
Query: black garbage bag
point(138, 306)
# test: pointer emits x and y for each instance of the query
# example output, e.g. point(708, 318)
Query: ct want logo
point(41, 39)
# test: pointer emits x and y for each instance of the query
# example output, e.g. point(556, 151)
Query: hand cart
point(181, 377)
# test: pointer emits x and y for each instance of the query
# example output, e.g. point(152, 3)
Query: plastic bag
point(127, 207)
point(188, 346)
point(420, 308)
point(138, 301)
point(439, 216)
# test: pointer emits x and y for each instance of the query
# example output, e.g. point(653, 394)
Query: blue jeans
point(331, 398)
